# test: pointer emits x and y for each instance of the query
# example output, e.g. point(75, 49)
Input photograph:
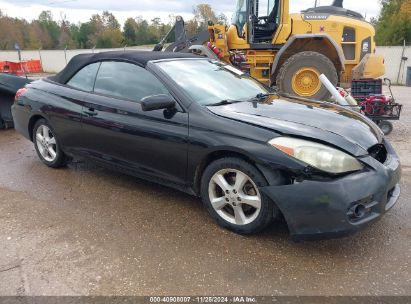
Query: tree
point(222, 19)
point(74, 31)
point(130, 31)
point(192, 27)
point(204, 13)
point(110, 39)
point(156, 22)
point(110, 21)
point(50, 30)
point(67, 33)
point(143, 35)
point(393, 25)
point(85, 31)
point(32, 41)
point(102, 31)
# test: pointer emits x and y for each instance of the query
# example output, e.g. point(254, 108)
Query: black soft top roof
point(138, 57)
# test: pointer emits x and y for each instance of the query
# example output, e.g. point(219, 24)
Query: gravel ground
point(84, 230)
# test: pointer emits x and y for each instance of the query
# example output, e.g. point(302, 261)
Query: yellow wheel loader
point(291, 51)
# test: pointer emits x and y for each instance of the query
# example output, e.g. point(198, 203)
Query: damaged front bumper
point(334, 208)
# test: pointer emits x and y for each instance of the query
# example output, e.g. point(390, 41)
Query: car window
point(84, 79)
point(128, 81)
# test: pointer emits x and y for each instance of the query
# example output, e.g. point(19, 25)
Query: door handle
point(90, 112)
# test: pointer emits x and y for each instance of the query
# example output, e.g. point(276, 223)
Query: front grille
point(379, 152)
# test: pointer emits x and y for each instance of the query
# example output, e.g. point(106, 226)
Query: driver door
point(116, 130)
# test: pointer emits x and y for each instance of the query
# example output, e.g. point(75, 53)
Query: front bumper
point(325, 209)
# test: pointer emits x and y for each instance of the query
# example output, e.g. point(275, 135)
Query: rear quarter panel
point(59, 105)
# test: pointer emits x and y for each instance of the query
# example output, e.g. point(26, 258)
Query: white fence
point(395, 66)
point(55, 61)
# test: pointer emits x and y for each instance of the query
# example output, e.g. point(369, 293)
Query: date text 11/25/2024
point(221, 299)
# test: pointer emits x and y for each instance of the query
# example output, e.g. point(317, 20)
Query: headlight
point(317, 155)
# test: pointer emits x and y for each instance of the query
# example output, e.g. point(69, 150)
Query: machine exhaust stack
point(338, 3)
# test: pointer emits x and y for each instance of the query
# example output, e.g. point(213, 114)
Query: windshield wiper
point(257, 98)
point(262, 96)
point(224, 102)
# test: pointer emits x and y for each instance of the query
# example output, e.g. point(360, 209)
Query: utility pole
point(316, 1)
point(403, 61)
point(65, 54)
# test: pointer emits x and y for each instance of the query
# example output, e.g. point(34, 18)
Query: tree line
point(393, 26)
point(101, 31)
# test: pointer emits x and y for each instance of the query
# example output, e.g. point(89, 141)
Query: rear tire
point(238, 205)
point(47, 145)
point(386, 127)
point(299, 75)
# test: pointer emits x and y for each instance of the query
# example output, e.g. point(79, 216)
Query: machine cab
point(257, 21)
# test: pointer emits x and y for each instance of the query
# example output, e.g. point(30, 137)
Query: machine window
point(348, 44)
point(265, 7)
point(240, 16)
point(349, 34)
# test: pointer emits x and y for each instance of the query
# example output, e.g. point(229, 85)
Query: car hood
point(326, 122)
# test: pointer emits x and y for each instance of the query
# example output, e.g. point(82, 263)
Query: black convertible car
point(206, 128)
point(9, 85)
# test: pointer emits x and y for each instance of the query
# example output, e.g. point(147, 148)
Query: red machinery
point(381, 108)
point(376, 105)
point(369, 100)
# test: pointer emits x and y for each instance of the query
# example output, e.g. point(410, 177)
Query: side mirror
point(157, 102)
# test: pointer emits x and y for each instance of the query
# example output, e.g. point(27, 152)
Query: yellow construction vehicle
point(291, 51)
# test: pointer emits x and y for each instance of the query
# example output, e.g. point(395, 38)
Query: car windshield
point(209, 82)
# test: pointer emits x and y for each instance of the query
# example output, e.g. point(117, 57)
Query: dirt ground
point(84, 230)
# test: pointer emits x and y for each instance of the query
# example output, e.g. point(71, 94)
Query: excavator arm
point(181, 43)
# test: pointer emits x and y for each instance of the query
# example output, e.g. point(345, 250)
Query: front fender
point(286, 51)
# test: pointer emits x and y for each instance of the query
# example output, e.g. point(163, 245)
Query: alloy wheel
point(46, 143)
point(234, 196)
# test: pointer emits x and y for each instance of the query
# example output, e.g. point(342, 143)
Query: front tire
point(299, 75)
point(230, 190)
point(47, 145)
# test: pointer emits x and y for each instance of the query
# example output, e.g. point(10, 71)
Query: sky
point(81, 10)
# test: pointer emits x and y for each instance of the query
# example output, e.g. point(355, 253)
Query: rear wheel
point(47, 145)
point(300, 75)
point(386, 127)
point(230, 190)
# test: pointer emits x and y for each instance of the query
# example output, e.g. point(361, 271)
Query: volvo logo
point(316, 16)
